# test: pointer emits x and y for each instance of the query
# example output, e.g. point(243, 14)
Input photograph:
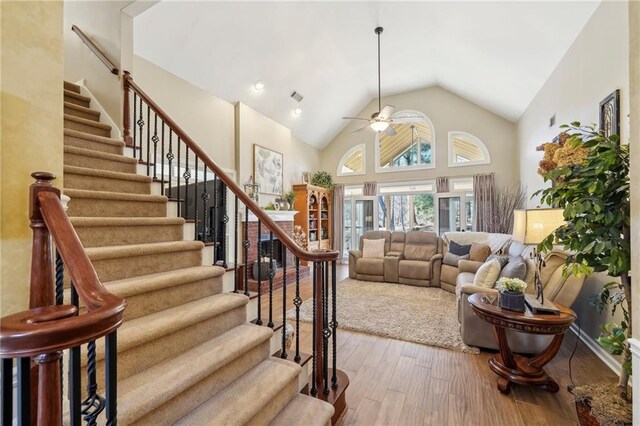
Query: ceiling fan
point(381, 120)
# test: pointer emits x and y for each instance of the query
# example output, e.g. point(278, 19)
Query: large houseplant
point(590, 175)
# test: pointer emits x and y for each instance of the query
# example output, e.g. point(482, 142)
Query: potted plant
point(511, 294)
point(590, 178)
point(290, 197)
point(322, 179)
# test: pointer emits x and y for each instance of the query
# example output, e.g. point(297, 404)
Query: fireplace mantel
point(276, 215)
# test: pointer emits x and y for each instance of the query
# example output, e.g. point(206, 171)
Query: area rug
point(425, 315)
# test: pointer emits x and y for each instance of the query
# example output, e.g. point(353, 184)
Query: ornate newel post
point(126, 117)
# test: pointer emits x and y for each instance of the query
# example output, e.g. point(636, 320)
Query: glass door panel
point(449, 215)
point(347, 235)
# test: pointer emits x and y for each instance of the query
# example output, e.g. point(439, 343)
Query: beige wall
point(634, 94)
point(254, 128)
point(208, 120)
point(596, 64)
point(102, 22)
point(32, 74)
point(448, 112)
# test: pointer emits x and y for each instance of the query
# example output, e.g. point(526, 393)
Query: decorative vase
point(264, 269)
point(511, 300)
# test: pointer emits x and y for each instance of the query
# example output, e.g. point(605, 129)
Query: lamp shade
point(534, 225)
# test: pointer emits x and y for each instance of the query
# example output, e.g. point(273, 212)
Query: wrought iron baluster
point(140, 123)
point(75, 381)
point(135, 107)
point(93, 405)
point(326, 333)
point(259, 255)
point(148, 138)
point(334, 324)
point(205, 204)
point(297, 301)
point(283, 352)
point(111, 377)
point(271, 273)
point(162, 159)
point(235, 246)
point(178, 200)
point(314, 354)
point(59, 279)
point(24, 392)
point(225, 221)
point(155, 139)
point(7, 391)
point(187, 176)
point(214, 219)
point(170, 158)
point(245, 245)
point(195, 198)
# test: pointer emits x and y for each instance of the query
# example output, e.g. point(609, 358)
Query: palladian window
point(411, 147)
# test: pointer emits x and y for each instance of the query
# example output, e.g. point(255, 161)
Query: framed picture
point(306, 177)
point(610, 114)
point(268, 170)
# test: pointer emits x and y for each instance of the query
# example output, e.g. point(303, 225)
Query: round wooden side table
point(514, 368)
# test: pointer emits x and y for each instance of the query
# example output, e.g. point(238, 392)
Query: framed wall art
point(610, 114)
point(268, 170)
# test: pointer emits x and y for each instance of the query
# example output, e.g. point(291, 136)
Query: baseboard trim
point(635, 379)
point(598, 350)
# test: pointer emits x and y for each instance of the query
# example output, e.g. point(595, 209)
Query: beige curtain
point(442, 184)
point(338, 219)
point(370, 188)
point(484, 192)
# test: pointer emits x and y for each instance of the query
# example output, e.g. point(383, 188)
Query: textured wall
point(31, 105)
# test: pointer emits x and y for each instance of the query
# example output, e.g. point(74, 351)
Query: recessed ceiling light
point(258, 85)
point(297, 111)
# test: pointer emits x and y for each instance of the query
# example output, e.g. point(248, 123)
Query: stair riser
point(73, 87)
point(134, 266)
point(102, 236)
point(73, 125)
point(98, 183)
point(140, 305)
point(76, 101)
point(169, 346)
point(82, 114)
point(276, 404)
point(91, 207)
point(88, 144)
point(187, 401)
point(98, 163)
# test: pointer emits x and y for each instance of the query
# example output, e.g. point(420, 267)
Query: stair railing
point(191, 178)
point(96, 50)
point(34, 339)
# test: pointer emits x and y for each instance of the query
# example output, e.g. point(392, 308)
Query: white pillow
point(373, 248)
point(487, 274)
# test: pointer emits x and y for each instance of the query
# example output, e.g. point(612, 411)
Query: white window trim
point(478, 142)
point(346, 156)
point(431, 165)
point(408, 183)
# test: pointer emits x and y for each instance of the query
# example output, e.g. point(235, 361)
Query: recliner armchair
point(421, 260)
point(369, 269)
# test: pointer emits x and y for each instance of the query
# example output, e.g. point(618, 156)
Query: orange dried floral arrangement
point(560, 154)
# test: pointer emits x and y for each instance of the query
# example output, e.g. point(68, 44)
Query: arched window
point(466, 150)
point(353, 162)
point(411, 147)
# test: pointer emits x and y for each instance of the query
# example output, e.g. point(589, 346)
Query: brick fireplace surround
point(284, 219)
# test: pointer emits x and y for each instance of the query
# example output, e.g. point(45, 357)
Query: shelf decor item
point(322, 179)
point(268, 170)
point(511, 293)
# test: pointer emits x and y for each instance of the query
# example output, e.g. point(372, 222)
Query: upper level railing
point(41, 333)
point(96, 50)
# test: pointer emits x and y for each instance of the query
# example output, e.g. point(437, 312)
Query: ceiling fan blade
point(411, 119)
point(355, 118)
point(361, 129)
point(387, 112)
point(390, 131)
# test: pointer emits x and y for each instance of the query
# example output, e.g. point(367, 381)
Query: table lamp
point(532, 226)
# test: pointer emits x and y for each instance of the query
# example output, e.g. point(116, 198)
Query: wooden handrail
point(96, 50)
point(285, 239)
point(47, 328)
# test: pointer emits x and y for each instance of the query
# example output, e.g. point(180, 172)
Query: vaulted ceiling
point(496, 54)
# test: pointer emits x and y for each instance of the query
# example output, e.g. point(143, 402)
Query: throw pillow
point(515, 268)
point(452, 259)
point(487, 274)
point(373, 248)
point(500, 258)
point(479, 252)
point(458, 249)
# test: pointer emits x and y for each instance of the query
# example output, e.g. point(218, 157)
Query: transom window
point(466, 150)
point(411, 147)
point(353, 162)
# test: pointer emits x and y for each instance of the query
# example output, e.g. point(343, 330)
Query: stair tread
point(86, 121)
point(74, 87)
point(111, 252)
point(99, 154)
point(128, 287)
point(80, 221)
point(91, 137)
point(77, 170)
point(150, 388)
point(81, 108)
point(304, 410)
point(108, 195)
point(240, 401)
point(73, 94)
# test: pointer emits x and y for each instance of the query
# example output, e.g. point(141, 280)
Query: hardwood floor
point(393, 382)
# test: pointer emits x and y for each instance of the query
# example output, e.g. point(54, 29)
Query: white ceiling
point(496, 54)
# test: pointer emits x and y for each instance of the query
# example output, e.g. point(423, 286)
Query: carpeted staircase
point(186, 354)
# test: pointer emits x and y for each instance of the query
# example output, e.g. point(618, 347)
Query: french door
point(360, 216)
point(454, 212)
